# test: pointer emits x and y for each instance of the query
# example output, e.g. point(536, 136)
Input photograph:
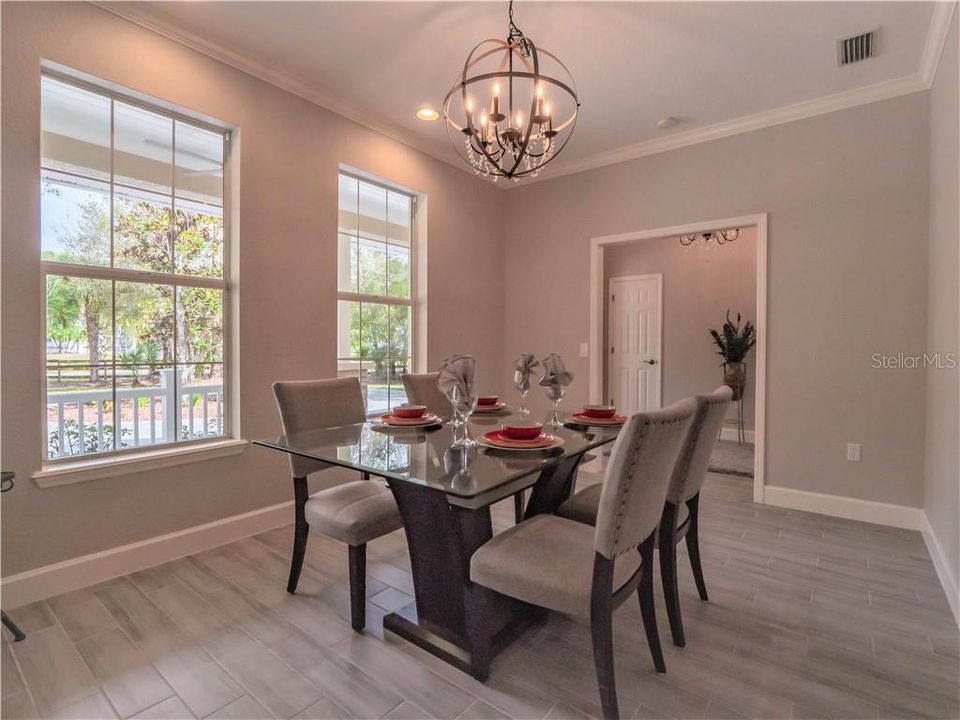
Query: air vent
point(856, 48)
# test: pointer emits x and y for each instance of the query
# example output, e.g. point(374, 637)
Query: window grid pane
point(130, 363)
point(374, 249)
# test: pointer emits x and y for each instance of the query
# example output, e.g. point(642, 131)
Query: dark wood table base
point(441, 538)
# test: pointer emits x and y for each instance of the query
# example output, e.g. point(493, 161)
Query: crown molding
point(285, 81)
point(936, 39)
point(747, 123)
point(888, 89)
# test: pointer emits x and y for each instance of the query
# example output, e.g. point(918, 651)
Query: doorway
point(635, 322)
point(601, 357)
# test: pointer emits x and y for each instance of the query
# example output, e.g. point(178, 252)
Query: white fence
point(158, 416)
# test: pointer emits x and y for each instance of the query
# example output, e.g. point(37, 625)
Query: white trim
point(730, 433)
point(659, 278)
point(901, 516)
point(73, 574)
point(936, 40)
point(598, 298)
point(283, 80)
point(115, 465)
point(737, 126)
point(951, 588)
point(864, 95)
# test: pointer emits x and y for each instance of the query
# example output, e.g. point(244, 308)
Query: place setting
point(520, 436)
point(597, 416)
point(408, 417)
point(490, 404)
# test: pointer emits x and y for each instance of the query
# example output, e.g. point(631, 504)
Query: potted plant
point(733, 346)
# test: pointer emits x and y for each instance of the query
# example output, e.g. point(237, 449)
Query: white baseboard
point(951, 588)
point(901, 516)
point(730, 433)
point(51, 580)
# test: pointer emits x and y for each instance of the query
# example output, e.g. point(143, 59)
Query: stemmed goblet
point(463, 402)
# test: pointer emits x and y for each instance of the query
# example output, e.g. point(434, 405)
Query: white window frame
point(121, 461)
point(413, 301)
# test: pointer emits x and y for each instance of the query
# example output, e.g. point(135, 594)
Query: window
point(375, 299)
point(133, 255)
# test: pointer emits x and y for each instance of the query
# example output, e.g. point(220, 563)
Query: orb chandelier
point(721, 237)
point(531, 113)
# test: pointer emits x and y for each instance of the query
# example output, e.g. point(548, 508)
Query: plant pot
point(735, 377)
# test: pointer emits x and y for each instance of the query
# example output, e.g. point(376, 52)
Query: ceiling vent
point(856, 48)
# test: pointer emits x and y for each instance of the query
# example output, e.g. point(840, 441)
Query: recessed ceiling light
point(428, 113)
point(667, 122)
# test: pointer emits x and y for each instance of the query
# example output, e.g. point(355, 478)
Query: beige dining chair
point(422, 389)
point(355, 512)
point(560, 564)
point(681, 511)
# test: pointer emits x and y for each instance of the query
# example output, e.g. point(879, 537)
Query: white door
point(635, 319)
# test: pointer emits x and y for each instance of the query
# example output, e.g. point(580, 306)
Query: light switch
point(853, 452)
point(584, 349)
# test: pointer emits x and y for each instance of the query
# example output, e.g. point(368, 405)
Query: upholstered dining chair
point(681, 511)
point(422, 389)
point(560, 564)
point(355, 512)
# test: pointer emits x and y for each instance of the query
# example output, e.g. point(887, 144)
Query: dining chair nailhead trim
point(621, 506)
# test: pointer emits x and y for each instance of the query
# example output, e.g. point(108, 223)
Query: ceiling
point(712, 65)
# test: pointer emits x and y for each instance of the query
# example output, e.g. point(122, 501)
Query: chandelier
point(721, 237)
point(530, 116)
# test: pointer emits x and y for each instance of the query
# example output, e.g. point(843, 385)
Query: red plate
point(424, 420)
point(498, 439)
point(582, 419)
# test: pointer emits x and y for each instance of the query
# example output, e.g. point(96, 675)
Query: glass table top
point(424, 456)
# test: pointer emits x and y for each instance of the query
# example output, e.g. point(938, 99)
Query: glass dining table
point(444, 495)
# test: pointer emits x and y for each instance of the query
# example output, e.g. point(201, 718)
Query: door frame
point(658, 400)
point(598, 300)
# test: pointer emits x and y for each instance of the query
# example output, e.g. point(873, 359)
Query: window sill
point(86, 470)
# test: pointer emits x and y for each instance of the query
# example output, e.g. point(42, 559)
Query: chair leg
point(12, 627)
point(518, 507)
point(300, 532)
point(647, 608)
point(357, 557)
point(668, 571)
point(479, 631)
point(601, 631)
point(693, 545)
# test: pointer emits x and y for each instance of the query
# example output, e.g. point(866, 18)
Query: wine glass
point(463, 402)
point(522, 382)
point(555, 393)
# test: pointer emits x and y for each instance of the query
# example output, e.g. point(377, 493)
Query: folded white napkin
point(555, 374)
point(456, 374)
point(523, 367)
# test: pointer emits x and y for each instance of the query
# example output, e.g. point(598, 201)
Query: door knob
point(650, 362)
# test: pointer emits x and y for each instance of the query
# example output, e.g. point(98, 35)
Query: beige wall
point(846, 194)
point(290, 150)
point(942, 462)
point(699, 285)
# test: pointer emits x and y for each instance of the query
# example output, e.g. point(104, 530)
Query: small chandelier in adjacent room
point(720, 237)
point(531, 112)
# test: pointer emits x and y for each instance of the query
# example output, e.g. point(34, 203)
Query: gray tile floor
point(809, 617)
